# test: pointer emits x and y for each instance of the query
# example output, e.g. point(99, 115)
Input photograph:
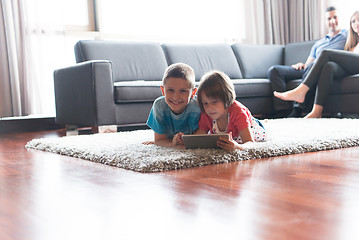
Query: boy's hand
point(177, 139)
point(228, 143)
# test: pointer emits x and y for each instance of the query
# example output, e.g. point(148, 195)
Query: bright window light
point(345, 10)
point(165, 20)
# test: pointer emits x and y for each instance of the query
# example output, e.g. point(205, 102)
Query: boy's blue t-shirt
point(163, 121)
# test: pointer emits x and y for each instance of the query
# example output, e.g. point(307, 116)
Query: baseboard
point(33, 124)
point(28, 124)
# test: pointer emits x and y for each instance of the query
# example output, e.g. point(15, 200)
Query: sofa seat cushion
point(346, 85)
point(252, 88)
point(204, 58)
point(137, 91)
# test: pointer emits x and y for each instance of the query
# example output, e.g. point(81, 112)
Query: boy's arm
point(162, 140)
point(199, 131)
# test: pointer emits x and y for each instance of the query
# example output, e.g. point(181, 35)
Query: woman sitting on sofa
point(330, 64)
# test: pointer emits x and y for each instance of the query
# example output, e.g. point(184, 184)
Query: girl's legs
point(347, 61)
point(316, 112)
point(330, 71)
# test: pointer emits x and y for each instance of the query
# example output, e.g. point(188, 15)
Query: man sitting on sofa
point(280, 74)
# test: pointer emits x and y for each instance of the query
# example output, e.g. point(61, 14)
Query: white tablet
point(202, 140)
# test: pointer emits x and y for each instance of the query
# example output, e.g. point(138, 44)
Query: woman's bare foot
point(316, 112)
point(313, 115)
point(297, 94)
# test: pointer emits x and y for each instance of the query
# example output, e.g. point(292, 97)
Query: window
point(55, 26)
point(345, 10)
point(179, 21)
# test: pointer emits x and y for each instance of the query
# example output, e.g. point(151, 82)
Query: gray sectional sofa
point(116, 82)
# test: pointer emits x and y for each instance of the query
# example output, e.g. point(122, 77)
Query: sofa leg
point(71, 130)
point(104, 129)
point(94, 129)
point(107, 129)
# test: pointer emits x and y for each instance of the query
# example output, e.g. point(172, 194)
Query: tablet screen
point(202, 140)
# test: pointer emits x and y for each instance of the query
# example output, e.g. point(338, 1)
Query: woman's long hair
point(353, 38)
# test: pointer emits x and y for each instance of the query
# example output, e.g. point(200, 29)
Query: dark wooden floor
point(44, 196)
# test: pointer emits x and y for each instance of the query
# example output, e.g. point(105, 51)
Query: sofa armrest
point(84, 94)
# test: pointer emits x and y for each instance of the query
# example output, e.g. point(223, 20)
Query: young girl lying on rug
point(221, 113)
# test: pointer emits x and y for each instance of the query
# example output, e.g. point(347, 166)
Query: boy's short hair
point(179, 70)
point(217, 85)
point(331, 8)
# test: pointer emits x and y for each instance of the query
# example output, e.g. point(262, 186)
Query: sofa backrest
point(148, 60)
point(204, 58)
point(130, 60)
point(255, 60)
point(297, 52)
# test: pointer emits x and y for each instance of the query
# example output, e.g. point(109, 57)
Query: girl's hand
point(177, 139)
point(228, 143)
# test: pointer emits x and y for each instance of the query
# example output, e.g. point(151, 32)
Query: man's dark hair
point(331, 8)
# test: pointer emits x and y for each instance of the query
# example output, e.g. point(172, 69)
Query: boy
point(176, 112)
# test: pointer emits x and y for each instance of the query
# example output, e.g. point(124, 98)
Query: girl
point(221, 113)
point(330, 64)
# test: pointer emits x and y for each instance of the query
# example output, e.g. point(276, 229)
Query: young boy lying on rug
point(221, 113)
point(176, 112)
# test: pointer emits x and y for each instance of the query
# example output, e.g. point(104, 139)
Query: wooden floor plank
point(303, 196)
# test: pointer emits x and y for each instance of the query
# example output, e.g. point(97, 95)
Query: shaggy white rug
point(124, 149)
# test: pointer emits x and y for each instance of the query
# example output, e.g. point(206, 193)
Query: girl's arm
point(247, 138)
point(230, 144)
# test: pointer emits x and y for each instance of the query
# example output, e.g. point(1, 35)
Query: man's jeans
point(278, 76)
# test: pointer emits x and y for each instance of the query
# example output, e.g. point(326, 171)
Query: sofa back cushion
point(297, 52)
point(204, 58)
point(130, 60)
point(255, 60)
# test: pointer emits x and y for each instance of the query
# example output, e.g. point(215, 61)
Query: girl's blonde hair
point(353, 38)
point(216, 85)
